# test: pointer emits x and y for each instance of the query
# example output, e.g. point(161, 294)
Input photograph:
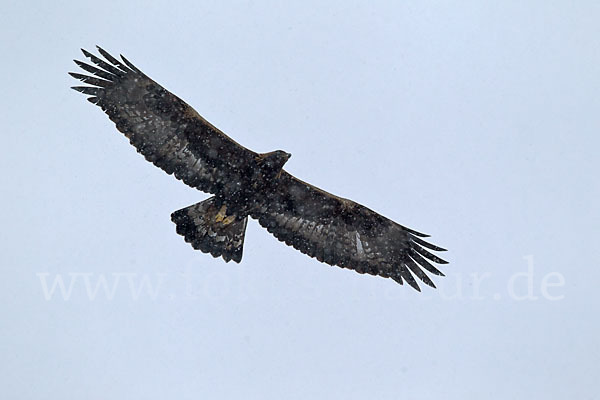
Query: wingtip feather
point(129, 63)
point(427, 244)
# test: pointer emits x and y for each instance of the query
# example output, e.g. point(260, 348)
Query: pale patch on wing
point(359, 247)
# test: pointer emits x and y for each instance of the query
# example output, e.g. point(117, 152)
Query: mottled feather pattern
point(173, 136)
point(162, 127)
point(341, 232)
point(199, 227)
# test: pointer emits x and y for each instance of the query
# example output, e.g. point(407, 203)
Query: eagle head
point(274, 160)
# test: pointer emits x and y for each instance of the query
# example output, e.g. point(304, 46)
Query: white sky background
point(474, 122)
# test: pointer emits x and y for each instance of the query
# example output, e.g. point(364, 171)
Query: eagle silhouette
point(174, 137)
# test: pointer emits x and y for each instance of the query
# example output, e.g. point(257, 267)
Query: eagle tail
point(208, 227)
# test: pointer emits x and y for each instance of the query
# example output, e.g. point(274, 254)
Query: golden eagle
point(173, 136)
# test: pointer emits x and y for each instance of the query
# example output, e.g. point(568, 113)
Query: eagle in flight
point(174, 137)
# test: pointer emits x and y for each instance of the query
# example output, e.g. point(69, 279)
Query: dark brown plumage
point(173, 136)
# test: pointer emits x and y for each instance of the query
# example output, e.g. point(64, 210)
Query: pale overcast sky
point(476, 122)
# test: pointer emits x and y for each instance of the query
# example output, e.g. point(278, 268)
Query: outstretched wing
point(341, 232)
point(161, 126)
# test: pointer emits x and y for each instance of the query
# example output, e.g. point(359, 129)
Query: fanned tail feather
point(207, 229)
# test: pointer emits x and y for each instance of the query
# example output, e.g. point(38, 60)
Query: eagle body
point(174, 137)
